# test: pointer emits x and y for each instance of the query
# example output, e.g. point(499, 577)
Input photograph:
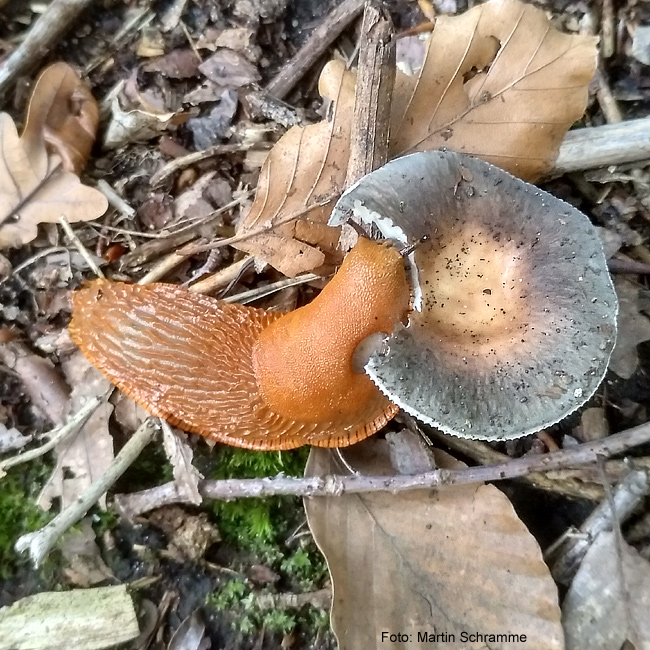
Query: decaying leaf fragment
point(430, 563)
point(498, 82)
point(63, 113)
point(609, 599)
point(633, 328)
point(307, 165)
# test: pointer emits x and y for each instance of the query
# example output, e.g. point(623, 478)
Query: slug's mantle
point(515, 311)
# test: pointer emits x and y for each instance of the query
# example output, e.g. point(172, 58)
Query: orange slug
point(244, 376)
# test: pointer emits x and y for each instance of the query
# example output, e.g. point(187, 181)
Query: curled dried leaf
point(63, 113)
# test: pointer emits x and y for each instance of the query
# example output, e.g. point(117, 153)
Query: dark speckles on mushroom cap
point(515, 314)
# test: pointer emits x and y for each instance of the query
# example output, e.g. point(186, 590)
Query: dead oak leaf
point(498, 82)
point(307, 165)
point(633, 328)
point(34, 189)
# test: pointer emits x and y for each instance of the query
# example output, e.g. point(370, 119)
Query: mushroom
point(514, 315)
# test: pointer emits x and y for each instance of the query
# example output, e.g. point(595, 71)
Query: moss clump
point(236, 600)
point(19, 513)
point(257, 525)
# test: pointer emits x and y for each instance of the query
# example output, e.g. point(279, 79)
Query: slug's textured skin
point(189, 358)
point(304, 360)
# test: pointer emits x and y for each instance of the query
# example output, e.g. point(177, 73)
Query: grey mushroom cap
point(514, 315)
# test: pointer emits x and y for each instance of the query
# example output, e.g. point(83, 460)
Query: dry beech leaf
point(307, 165)
point(430, 562)
point(601, 611)
point(633, 328)
point(498, 82)
point(35, 189)
point(63, 112)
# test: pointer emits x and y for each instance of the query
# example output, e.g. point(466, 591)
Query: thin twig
point(226, 277)
point(483, 453)
point(193, 249)
point(177, 164)
point(332, 485)
point(59, 16)
point(322, 37)
point(245, 297)
point(608, 30)
point(40, 542)
point(114, 199)
point(57, 435)
point(80, 247)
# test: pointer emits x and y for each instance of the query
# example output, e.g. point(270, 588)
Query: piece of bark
point(601, 146)
point(374, 90)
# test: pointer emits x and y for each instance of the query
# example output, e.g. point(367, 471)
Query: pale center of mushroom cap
point(475, 288)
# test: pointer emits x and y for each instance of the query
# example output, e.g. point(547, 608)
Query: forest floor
point(231, 567)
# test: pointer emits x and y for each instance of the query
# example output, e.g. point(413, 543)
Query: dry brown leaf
point(82, 458)
point(498, 82)
point(63, 112)
point(603, 608)
point(633, 328)
point(35, 189)
point(430, 562)
point(307, 165)
point(40, 379)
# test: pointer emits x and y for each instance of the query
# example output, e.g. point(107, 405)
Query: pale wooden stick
point(80, 247)
point(602, 146)
point(40, 542)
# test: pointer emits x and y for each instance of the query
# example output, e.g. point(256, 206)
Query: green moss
point(236, 600)
point(261, 527)
point(257, 525)
point(19, 513)
point(305, 566)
